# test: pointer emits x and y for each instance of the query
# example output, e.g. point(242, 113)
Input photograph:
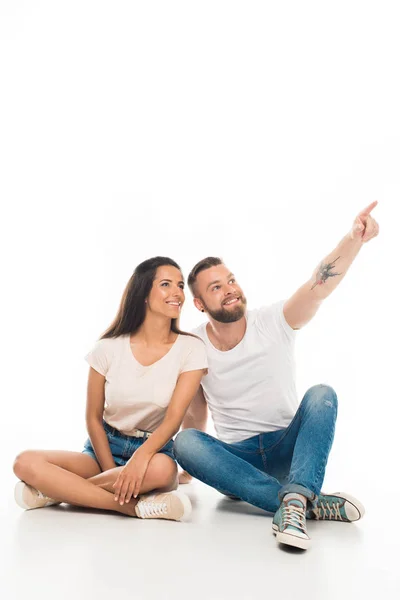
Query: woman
point(143, 375)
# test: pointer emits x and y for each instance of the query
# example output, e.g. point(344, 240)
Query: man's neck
point(225, 336)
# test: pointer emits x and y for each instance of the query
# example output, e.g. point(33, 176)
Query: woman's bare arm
point(94, 420)
point(187, 385)
point(130, 478)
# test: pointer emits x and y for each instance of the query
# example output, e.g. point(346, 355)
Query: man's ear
point(198, 304)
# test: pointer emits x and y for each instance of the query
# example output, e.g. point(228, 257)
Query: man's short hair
point(202, 265)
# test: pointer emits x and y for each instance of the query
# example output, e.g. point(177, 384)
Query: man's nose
point(229, 289)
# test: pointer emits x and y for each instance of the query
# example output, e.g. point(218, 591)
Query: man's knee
point(322, 395)
point(186, 442)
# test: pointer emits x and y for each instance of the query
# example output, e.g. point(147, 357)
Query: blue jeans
point(123, 446)
point(263, 468)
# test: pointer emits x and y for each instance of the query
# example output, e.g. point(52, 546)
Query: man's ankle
point(297, 495)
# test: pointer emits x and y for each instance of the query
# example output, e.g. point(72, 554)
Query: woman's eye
point(165, 283)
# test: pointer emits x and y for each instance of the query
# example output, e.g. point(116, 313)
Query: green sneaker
point(289, 522)
point(337, 507)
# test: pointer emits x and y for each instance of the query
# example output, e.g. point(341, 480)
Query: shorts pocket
point(117, 445)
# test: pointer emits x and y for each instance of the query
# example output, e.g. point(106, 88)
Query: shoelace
point(152, 509)
point(295, 517)
point(42, 496)
point(328, 512)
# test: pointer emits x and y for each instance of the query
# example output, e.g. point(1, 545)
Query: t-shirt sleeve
point(271, 321)
point(196, 357)
point(99, 357)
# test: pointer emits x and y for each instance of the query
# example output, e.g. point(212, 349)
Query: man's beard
point(227, 316)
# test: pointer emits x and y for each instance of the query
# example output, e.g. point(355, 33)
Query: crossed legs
point(76, 478)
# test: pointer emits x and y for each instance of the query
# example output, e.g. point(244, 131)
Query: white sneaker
point(169, 505)
point(28, 497)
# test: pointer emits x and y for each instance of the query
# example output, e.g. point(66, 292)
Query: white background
point(255, 131)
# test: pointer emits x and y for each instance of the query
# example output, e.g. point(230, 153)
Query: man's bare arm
point(304, 303)
point(197, 413)
point(195, 418)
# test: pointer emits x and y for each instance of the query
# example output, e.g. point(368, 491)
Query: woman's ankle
point(128, 508)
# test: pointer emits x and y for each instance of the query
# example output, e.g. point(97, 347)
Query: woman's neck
point(155, 330)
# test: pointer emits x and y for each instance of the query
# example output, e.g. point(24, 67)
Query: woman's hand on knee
point(129, 480)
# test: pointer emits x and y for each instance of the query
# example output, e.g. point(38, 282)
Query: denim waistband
point(114, 431)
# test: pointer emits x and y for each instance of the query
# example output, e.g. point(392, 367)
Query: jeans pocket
point(88, 445)
point(117, 445)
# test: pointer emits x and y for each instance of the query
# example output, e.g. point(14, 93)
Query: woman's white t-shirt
point(137, 397)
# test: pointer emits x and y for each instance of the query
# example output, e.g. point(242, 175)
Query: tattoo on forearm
point(325, 271)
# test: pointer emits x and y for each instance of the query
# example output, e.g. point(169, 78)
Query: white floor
point(226, 551)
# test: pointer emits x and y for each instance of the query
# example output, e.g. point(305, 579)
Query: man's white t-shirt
point(137, 397)
point(251, 389)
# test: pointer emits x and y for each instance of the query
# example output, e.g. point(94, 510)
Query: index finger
point(117, 487)
point(137, 487)
point(370, 207)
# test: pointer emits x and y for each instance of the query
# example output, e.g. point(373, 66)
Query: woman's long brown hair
point(132, 308)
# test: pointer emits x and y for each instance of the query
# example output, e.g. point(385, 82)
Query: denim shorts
point(124, 446)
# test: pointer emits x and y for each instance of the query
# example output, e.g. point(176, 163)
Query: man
point(267, 454)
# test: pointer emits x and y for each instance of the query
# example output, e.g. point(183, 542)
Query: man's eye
point(232, 281)
point(216, 287)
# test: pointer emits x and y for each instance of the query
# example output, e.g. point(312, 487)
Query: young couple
point(147, 377)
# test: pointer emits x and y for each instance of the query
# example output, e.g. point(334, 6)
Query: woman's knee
point(164, 470)
point(26, 464)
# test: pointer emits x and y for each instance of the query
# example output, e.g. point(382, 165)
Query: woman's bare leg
point(161, 475)
point(64, 476)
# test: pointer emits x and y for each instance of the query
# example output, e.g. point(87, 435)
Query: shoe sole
point(290, 540)
point(187, 506)
point(19, 494)
point(351, 500)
